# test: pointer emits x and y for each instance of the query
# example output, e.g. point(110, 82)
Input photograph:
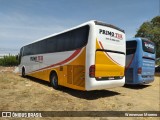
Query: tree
point(151, 30)
point(8, 61)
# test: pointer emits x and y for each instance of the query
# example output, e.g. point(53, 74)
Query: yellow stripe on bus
point(71, 75)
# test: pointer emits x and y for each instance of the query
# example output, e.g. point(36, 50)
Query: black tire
point(23, 73)
point(54, 80)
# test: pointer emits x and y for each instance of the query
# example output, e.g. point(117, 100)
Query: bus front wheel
point(23, 72)
point(54, 80)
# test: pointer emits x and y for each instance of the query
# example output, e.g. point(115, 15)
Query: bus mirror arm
point(17, 57)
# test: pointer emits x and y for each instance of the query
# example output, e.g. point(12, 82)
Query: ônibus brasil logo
point(110, 33)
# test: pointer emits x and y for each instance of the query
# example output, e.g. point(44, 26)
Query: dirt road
point(26, 94)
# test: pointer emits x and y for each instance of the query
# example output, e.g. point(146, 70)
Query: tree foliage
point(158, 61)
point(151, 30)
point(8, 61)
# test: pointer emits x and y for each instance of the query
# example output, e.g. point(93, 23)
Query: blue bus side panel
point(142, 60)
point(129, 73)
point(148, 69)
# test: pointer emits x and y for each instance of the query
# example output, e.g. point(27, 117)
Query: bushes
point(158, 61)
point(8, 61)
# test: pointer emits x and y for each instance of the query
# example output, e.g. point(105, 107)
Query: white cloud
point(19, 29)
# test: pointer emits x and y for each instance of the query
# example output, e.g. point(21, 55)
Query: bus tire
point(23, 72)
point(54, 80)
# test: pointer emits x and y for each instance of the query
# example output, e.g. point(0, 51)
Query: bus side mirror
point(17, 56)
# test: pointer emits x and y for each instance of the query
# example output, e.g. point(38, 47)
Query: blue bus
point(140, 61)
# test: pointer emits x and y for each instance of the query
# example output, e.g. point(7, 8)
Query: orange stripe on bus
point(62, 62)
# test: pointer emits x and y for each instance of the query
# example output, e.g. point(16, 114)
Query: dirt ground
point(28, 94)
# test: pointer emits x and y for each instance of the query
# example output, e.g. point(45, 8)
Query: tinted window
point(131, 47)
point(67, 41)
point(20, 55)
point(148, 46)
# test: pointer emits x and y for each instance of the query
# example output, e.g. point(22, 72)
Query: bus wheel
point(54, 80)
point(23, 72)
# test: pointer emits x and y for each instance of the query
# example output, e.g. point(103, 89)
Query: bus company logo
point(148, 45)
point(36, 58)
point(110, 33)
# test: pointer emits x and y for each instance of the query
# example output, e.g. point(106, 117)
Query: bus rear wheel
point(54, 80)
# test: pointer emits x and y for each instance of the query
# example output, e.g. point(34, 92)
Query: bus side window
point(67, 41)
point(131, 47)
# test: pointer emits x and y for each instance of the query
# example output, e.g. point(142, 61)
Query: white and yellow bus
point(87, 57)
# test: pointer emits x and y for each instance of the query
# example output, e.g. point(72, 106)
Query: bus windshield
point(148, 46)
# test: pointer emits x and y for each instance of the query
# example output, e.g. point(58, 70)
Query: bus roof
point(108, 25)
point(138, 38)
point(93, 22)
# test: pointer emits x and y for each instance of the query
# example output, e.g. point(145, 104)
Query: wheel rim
point(54, 80)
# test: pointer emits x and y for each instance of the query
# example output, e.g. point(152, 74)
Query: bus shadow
point(136, 86)
point(38, 81)
point(89, 95)
point(157, 74)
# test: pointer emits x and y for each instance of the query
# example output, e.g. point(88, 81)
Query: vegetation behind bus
point(9, 60)
point(158, 61)
point(151, 30)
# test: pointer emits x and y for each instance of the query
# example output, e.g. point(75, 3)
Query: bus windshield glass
point(148, 46)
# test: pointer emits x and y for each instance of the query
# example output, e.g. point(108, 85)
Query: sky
point(24, 21)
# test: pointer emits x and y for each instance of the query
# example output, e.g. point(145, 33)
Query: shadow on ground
point(38, 81)
point(88, 95)
point(136, 86)
point(157, 74)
